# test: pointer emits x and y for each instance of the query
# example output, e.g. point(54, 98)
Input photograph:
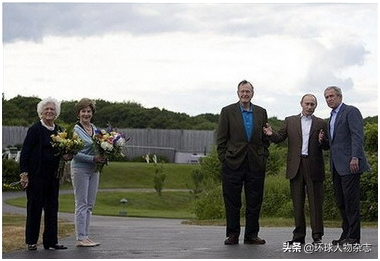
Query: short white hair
point(41, 105)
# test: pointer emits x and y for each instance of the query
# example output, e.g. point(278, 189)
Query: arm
point(27, 152)
point(222, 135)
point(279, 136)
point(83, 157)
point(355, 125)
point(30, 142)
point(266, 138)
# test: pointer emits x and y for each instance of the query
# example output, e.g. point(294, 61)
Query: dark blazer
point(292, 130)
point(348, 140)
point(31, 158)
point(232, 144)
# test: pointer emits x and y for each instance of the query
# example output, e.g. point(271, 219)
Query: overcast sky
point(190, 57)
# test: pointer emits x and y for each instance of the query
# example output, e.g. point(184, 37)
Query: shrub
point(277, 201)
point(276, 160)
point(11, 172)
point(159, 178)
point(330, 209)
point(371, 135)
point(197, 176)
point(209, 204)
point(369, 190)
point(211, 167)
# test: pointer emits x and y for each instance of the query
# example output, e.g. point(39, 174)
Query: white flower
point(106, 146)
point(120, 142)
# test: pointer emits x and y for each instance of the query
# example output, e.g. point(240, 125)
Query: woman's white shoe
point(96, 243)
point(85, 243)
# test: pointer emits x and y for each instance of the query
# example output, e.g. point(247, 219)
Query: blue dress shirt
point(248, 121)
point(334, 113)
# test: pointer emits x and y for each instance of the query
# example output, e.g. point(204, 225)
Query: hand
point(67, 157)
point(268, 130)
point(100, 159)
point(24, 180)
point(321, 136)
point(354, 165)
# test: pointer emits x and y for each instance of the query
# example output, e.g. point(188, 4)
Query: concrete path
point(148, 238)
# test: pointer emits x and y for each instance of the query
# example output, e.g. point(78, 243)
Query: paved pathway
point(148, 238)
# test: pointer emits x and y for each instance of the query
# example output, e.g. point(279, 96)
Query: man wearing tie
point(305, 166)
point(243, 151)
point(347, 162)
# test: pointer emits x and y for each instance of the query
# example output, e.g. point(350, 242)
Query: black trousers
point(233, 182)
point(42, 194)
point(347, 195)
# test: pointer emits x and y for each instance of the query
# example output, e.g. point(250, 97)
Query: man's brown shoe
point(254, 240)
point(232, 240)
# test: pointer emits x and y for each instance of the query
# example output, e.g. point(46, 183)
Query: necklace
point(88, 129)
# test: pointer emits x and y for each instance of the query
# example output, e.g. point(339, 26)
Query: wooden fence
point(142, 141)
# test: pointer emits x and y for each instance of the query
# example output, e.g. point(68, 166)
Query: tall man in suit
point(243, 150)
point(305, 167)
point(347, 161)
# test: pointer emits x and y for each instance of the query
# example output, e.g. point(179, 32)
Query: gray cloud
point(323, 71)
point(31, 21)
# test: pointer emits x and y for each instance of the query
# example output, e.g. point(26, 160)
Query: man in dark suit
point(243, 150)
point(347, 161)
point(305, 167)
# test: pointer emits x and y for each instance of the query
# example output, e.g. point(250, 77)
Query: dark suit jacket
point(292, 130)
point(348, 140)
point(36, 141)
point(232, 144)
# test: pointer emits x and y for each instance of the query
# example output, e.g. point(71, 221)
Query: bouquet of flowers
point(109, 143)
point(66, 142)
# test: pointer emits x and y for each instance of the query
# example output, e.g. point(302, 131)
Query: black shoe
point(296, 240)
point(337, 241)
point(350, 241)
point(317, 240)
point(56, 246)
point(32, 247)
point(232, 240)
point(254, 241)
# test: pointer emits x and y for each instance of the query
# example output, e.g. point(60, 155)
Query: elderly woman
point(39, 164)
point(84, 175)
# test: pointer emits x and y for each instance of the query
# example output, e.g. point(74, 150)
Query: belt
point(304, 156)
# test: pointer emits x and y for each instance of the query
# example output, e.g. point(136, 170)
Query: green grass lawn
point(140, 204)
point(140, 175)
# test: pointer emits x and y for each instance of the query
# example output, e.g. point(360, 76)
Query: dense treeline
point(21, 111)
